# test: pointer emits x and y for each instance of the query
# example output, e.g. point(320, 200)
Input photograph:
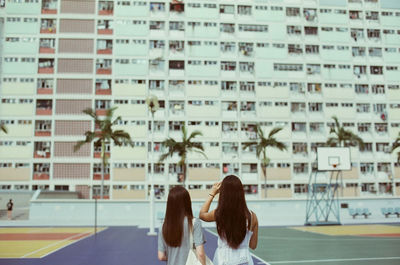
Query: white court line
point(263, 262)
point(51, 252)
point(55, 243)
point(331, 260)
point(330, 239)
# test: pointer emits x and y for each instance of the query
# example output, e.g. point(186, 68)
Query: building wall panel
point(83, 191)
point(18, 88)
point(350, 192)
point(75, 45)
point(17, 110)
point(128, 194)
point(18, 130)
point(129, 89)
point(276, 174)
point(121, 153)
point(74, 86)
point(76, 25)
point(71, 171)
point(69, 107)
point(16, 152)
point(75, 66)
point(72, 127)
point(15, 174)
point(352, 174)
point(277, 193)
point(66, 149)
point(204, 174)
point(129, 174)
point(78, 6)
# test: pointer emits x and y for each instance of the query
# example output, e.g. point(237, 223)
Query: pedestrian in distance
point(174, 236)
point(237, 226)
point(10, 205)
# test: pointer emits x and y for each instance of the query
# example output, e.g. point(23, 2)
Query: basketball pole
point(323, 196)
point(151, 214)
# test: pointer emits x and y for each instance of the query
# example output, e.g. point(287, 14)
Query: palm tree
point(183, 148)
point(103, 136)
point(395, 145)
point(342, 137)
point(261, 145)
point(3, 128)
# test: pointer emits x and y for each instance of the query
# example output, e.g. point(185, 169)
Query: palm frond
point(200, 152)
point(272, 142)
point(163, 157)
point(195, 145)
point(171, 146)
point(337, 124)
point(395, 144)
point(89, 136)
point(169, 143)
point(343, 137)
point(98, 142)
point(78, 145)
point(115, 122)
point(274, 131)
point(259, 131)
point(121, 137)
point(332, 142)
point(110, 112)
point(194, 134)
point(246, 145)
point(281, 146)
point(356, 140)
point(3, 128)
point(91, 113)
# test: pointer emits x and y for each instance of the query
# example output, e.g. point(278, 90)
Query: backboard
point(333, 158)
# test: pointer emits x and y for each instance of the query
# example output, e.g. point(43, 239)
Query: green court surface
point(353, 245)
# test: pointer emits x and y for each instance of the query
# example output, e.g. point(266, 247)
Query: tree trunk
point(184, 174)
point(264, 169)
point(103, 163)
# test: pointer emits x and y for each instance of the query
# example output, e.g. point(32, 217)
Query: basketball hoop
point(334, 165)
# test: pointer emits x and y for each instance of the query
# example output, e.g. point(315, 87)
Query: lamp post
point(152, 104)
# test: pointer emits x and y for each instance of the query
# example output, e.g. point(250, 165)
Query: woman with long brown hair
point(174, 237)
point(237, 226)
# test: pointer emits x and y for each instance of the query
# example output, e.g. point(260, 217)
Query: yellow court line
point(29, 230)
point(16, 249)
point(41, 248)
point(54, 244)
point(91, 234)
point(338, 230)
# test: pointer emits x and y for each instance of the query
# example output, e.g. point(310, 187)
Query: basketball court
point(353, 244)
point(36, 242)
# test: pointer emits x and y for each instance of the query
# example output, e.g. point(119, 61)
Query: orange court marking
point(37, 242)
point(354, 230)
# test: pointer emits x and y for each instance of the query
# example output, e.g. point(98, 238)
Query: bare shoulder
point(254, 220)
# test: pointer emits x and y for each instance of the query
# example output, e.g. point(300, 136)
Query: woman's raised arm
point(204, 214)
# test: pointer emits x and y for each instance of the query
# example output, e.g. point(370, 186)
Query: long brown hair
point(179, 206)
point(232, 215)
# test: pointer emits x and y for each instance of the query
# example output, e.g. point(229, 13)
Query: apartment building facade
point(219, 67)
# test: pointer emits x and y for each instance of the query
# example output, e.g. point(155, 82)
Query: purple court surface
point(112, 246)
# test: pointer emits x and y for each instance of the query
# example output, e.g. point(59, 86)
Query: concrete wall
point(270, 212)
point(20, 198)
